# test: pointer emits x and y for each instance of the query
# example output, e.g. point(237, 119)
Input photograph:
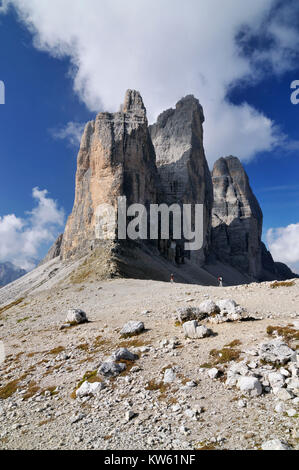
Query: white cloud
point(167, 49)
point(72, 132)
point(283, 243)
point(22, 238)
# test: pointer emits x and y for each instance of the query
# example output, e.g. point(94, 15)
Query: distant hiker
point(171, 278)
point(220, 280)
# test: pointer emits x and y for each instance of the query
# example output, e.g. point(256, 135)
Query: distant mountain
point(9, 273)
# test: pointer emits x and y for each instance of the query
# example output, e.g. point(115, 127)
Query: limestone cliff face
point(116, 158)
point(236, 218)
point(178, 140)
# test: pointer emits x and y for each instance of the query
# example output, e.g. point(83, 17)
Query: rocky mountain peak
point(133, 103)
point(236, 218)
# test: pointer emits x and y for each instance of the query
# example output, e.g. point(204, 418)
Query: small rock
point(169, 376)
point(123, 354)
point(213, 373)
point(89, 389)
point(242, 403)
point(194, 331)
point(111, 369)
point(132, 328)
point(130, 415)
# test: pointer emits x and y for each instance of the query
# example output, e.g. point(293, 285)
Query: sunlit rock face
point(116, 158)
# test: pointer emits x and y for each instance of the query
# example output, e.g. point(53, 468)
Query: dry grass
point(222, 356)
point(98, 266)
point(11, 387)
point(235, 342)
point(133, 343)
point(275, 284)
point(161, 387)
point(288, 333)
point(57, 350)
point(12, 304)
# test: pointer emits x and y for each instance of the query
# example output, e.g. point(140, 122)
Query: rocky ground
point(200, 402)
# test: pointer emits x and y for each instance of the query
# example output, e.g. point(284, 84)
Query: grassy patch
point(235, 342)
point(11, 387)
point(12, 304)
point(276, 284)
point(45, 421)
point(83, 347)
point(32, 390)
point(287, 332)
point(23, 319)
point(133, 343)
point(161, 387)
point(131, 335)
point(57, 350)
point(208, 446)
point(222, 356)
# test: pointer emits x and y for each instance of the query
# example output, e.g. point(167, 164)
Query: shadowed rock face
point(178, 140)
point(116, 158)
point(236, 218)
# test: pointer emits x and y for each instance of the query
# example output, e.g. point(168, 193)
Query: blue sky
point(59, 69)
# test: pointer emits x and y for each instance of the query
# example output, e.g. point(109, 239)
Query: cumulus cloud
point(21, 238)
point(283, 243)
point(169, 48)
point(71, 132)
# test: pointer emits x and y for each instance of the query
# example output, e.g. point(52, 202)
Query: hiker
point(171, 278)
point(220, 281)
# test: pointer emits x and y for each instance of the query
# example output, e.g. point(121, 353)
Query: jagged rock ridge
point(120, 155)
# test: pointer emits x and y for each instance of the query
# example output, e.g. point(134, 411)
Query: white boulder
point(194, 331)
point(132, 328)
point(89, 389)
point(76, 316)
point(250, 385)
